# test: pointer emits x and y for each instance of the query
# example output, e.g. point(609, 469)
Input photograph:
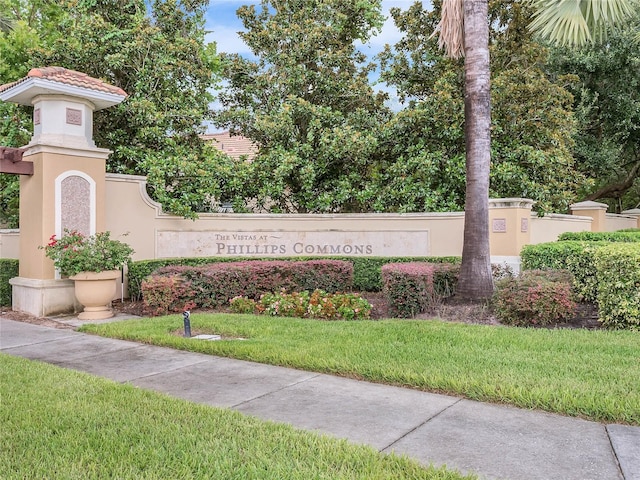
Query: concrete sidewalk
point(492, 441)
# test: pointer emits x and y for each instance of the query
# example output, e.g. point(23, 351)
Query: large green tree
point(157, 53)
point(532, 123)
point(607, 104)
point(307, 104)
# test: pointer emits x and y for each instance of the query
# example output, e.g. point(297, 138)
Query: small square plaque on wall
point(499, 225)
point(36, 116)
point(74, 116)
point(524, 225)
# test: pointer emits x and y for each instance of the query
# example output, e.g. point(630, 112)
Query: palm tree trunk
point(475, 280)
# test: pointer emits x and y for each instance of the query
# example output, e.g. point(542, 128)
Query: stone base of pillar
point(43, 298)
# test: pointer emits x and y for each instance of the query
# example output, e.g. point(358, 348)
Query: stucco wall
point(9, 244)
point(614, 222)
point(133, 217)
point(548, 228)
point(154, 234)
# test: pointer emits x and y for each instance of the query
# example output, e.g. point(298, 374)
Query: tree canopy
point(532, 121)
point(24, 26)
point(327, 143)
point(468, 33)
point(306, 102)
point(605, 83)
point(156, 52)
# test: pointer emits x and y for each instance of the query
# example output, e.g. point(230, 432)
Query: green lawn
point(585, 373)
point(61, 424)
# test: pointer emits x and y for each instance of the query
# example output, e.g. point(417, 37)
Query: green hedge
point(367, 275)
point(628, 236)
point(8, 269)
point(618, 267)
point(577, 257)
point(366, 270)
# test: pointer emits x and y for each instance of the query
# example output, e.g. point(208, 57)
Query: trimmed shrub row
point(624, 236)
point(172, 288)
point(366, 270)
point(8, 269)
point(416, 287)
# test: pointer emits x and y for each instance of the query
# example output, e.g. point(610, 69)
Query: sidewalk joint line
point(163, 372)
point(409, 432)
point(615, 454)
point(43, 342)
point(278, 390)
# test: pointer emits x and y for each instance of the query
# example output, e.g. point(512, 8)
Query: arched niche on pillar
point(75, 203)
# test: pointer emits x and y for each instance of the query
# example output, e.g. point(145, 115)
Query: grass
point(57, 423)
point(582, 373)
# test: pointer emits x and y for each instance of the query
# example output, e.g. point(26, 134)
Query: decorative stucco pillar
point(597, 211)
point(510, 229)
point(67, 188)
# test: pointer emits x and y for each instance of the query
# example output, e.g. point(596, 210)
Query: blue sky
point(223, 26)
point(223, 23)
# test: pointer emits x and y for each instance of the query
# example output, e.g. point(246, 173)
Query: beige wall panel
point(548, 228)
point(10, 243)
point(509, 225)
point(614, 222)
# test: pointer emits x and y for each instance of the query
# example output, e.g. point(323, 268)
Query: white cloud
point(389, 34)
point(227, 39)
point(223, 25)
point(224, 30)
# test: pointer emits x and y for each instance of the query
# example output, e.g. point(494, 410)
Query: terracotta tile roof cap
point(71, 77)
point(67, 77)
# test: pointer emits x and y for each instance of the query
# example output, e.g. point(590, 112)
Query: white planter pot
point(95, 290)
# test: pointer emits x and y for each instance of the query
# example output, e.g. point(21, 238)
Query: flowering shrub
point(241, 304)
point(284, 305)
point(75, 252)
point(350, 306)
point(321, 305)
point(318, 304)
point(535, 298)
